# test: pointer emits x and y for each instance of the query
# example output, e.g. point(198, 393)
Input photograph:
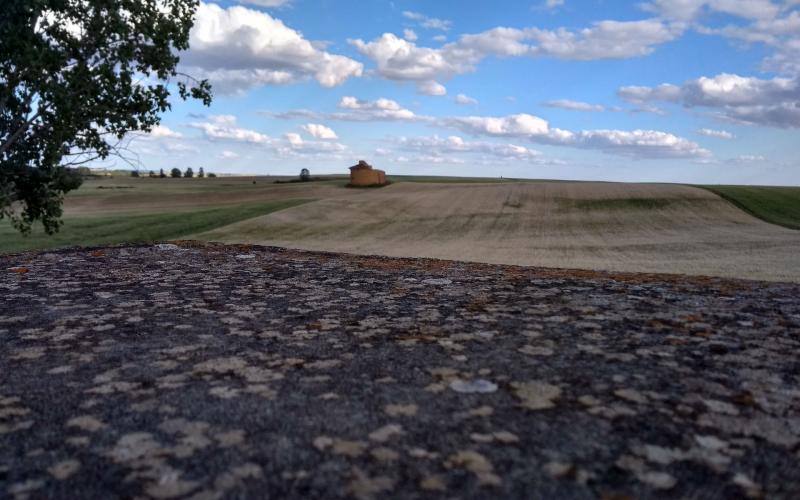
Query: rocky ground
point(210, 371)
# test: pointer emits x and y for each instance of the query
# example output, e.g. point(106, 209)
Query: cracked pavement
point(211, 371)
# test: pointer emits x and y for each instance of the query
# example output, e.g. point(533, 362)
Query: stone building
point(364, 175)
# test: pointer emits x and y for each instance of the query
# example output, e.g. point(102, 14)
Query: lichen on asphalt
point(189, 371)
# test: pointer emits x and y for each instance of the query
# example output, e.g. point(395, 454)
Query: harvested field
point(210, 371)
point(608, 226)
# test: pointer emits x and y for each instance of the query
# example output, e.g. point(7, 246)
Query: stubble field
point(587, 225)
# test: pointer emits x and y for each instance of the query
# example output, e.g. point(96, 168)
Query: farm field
point(124, 209)
point(606, 226)
point(585, 225)
point(778, 205)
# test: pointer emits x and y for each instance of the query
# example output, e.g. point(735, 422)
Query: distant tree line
point(175, 173)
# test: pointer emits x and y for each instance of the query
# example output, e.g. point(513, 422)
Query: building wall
point(366, 177)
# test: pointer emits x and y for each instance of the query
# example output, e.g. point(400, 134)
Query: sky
point(704, 91)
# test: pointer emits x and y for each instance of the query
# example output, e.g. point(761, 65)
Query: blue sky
point(665, 90)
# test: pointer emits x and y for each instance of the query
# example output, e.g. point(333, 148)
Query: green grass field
point(777, 205)
point(118, 228)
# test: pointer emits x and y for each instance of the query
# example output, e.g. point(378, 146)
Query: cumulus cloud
point(430, 87)
point(378, 110)
point(428, 22)
point(687, 10)
point(767, 22)
point(356, 110)
point(520, 125)
point(575, 105)
point(439, 146)
point(409, 35)
point(239, 48)
point(296, 146)
point(228, 155)
point(163, 132)
point(640, 144)
point(770, 102)
point(267, 3)
point(635, 143)
point(400, 59)
point(224, 127)
point(718, 134)
point(320, 131)
point(641, 95)
point(465, 100)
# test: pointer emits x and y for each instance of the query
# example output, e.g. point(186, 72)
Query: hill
point(610, 226)
point(589, 225)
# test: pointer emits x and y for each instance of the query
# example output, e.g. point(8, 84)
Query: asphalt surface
point(211, 371)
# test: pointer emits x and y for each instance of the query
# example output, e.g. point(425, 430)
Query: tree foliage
point(189, 173)
point(76, 76)
point(175, 173)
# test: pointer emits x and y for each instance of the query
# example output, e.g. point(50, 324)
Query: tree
point(76, 76)
point(151, 174)
point(161, 173)
point(305, 175)
point(212, 174)
point(201, 173)
point(175, 173)
point(189, 173)
point(134, 173)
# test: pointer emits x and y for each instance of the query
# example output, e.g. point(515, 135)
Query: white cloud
point(178, 147)
point(320, 131)
point(640, 144)
point(520, 125)
point(749, 159)
point(428, 22)
point(574, 105)
point(267, 3)
point(718, 134)
point(552, 4)
point(465, 100)
point(294, 139)
point(429, 159)
point(239, 48)
point(687, 10)
point(604, 40)
point(440, 38)
point(438, 146)
point(223, 127)
point(409, 35)
point(641, 95)
point(399, 59)
point(379, 110)
point(228, 155)
point(356, 110)
point(635, 144)
point(163, 132)
point(431, 87)
point(770, 102)
point(295, 146)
